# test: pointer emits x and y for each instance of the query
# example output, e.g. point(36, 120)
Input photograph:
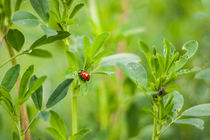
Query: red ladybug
point(84, 75)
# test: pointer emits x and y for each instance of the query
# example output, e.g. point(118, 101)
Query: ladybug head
point(81, 71)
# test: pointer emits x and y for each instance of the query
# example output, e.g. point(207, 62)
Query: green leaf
point(124, 58)
point(36, 85)
point(7, 100)
point(178, 102)
point(5, 94)
point(144, 48)
point(42, 8)
point(100, 55)
point(16, 39)
point(103, 72)
point(58, 124)
point(133, 31)
point(56, 5)
point(72, 60)
point(172, 61)
point(25, 81)
point(7, 8)
point(18, 4)
point(80, 135)
point(46, 40)
point(161, 62)
point(48, 31)
point(148, 110)
point(15, 136)
point(83, 88)
point(37, 95)
point(135, 72)
point(25, 19)
point(198, 110)
point(167, 53)
point(76, 9)
point(192, 121)
point(186, 71)
point(86, 47)
point(191, 47)
point(54, 133)
point(59, 93)
point(40, 53)
point(204, 74)
point(45, 115)
point(180, 63)
point(10, 77)
point(98, 43)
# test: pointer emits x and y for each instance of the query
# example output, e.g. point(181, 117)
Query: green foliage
point(136, 72)
point(57, 123)
point(36, 85)
point(16, 39)
point(57, 128)
point(25, 91)
point(40, 53)
point(25, 81)
point(37, 95)
point(192, 121)
point(124, 58)
point(24, 18)
point(42, 8)
point(80, 135)
point(59, 93)
point(76, 9)
point(97, 43)
point(48, 31)
point(10, 77)
point(198, 110)
point(7, 8)
point(103, 72)
point(18, 4)
point(15, 136)
point(46, 40)
point(204, 74)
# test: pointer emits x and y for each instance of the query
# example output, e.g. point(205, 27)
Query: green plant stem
point(155, 136)
point(33, 119)
point(11, 59)
point(160, 116)
point(74, 114)
point(19, 130)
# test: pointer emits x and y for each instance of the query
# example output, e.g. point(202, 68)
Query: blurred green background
point(113, 107)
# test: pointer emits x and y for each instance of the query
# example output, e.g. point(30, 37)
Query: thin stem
point(154, 136)
point(160, 116)
point(34, 118)
point(74, 114)
point(11, 59)
point(11, 52)
point(18, 125)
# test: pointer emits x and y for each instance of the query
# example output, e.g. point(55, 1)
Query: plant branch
point(74, 114)
point(154, 136)
point(23, 111)
point(33, 119)
point(11, 59)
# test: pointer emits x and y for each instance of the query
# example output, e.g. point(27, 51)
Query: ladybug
point(84, 75)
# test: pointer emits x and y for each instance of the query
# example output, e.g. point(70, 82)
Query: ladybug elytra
point(84, 75)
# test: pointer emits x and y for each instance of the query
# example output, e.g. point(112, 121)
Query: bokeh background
point(112, 109)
